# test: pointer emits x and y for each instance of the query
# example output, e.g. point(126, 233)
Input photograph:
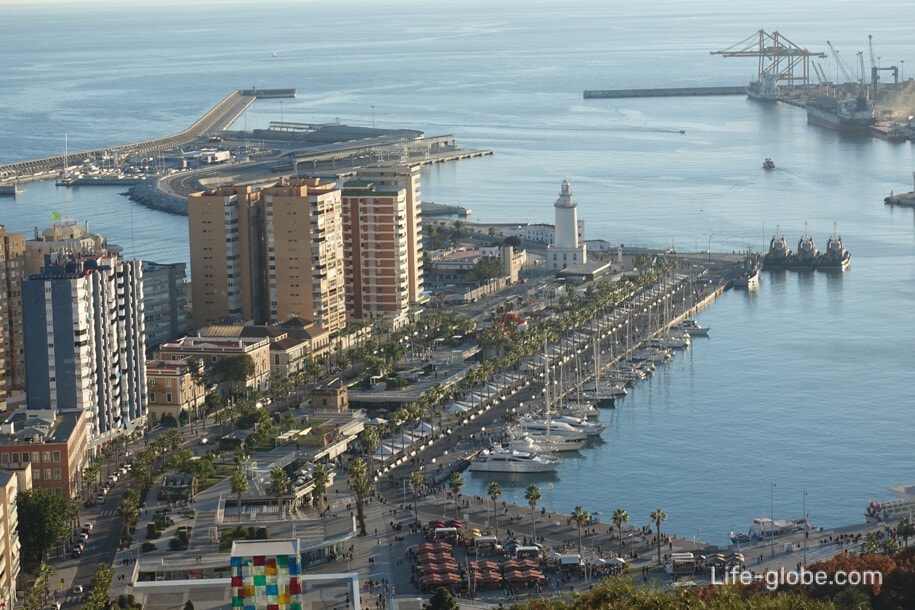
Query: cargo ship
point(853, 115)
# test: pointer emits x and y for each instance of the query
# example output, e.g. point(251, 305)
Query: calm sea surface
point(806, 383)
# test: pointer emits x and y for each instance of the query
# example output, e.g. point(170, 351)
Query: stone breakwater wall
point(147, 194)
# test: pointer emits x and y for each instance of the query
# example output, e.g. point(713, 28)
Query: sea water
point(804, 384)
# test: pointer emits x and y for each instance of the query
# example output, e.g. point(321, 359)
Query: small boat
point(836, 257)
point(692, 328)
point(888, 510)
point(748, 275)
point(779, 253)
point(764, 528)
point(768, 164)
point(502, 460)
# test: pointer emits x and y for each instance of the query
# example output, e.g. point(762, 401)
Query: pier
point(664, 92)
point(217, 119)
point(430, 209)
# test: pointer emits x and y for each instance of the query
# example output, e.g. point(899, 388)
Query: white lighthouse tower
point(565, 249)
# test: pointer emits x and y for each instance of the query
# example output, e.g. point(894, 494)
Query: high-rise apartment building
point(12, 270)
point(387, 176)
point(304, 246)
point(9, 539)
point(164, 302)
point(85, 341)
point(375, 245)
point(226, 239)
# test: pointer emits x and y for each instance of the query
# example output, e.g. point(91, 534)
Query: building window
point(46, 456)
point(25, 457)
point(168, 397)
point(57, 456)
point(152, 397)
point(35, 456)
point(47, 474)
point(36, 474)
point(15, 458)
point(5, 458)
point(57, 474)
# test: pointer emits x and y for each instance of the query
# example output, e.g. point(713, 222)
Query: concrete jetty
point(664, 92)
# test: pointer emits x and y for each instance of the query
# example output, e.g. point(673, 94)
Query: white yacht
point(507, 460)
point(589, 428)
point(551, 427)
point(549, 443)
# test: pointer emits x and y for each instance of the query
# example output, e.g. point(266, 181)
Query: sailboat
point(603, 396)
point(66, 177)
point(553, 436)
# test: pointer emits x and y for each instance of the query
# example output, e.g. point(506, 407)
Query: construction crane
point(780, 60)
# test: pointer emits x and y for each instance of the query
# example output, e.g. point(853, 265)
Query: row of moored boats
point(807, 257)
point(533, 443)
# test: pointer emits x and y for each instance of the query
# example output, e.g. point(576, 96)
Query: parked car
point(76, 553)
point(100, 499)
point(77, 589)
point(87, 527)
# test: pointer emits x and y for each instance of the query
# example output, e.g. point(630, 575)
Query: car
point(204, 441)
point(76, 553)
point(100, 499)
point(84, 537)
point(113, 478)
point(87, 527)
point(77, 589)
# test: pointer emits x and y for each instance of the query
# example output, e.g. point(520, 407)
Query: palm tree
point(532, 495)
point(239, 487)
point(361, 487)
point(495, 490)
point(620, 518)
point(581, 517)
point(320, 477)
point(416, 481)
point(455, 483)
point(658, 517)
point(905, 530)
point(279, 484)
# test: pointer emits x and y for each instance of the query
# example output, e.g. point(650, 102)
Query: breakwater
point(664, 92)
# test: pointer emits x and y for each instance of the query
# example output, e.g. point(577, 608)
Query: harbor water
point(805, 383)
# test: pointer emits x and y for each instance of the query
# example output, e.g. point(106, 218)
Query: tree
point(442, 599)
point(495, 490)
point(40, 590)
point(905, 530)
point(99, 586)
point(581, 517)
point(43, 524)
point(620, 518)
point(455, 483)
point(658, 517)
point(416, 481)
point(279, 484)
point(532, 495)
point(361, 485)
point(239, 488)
point(235, 370)
point(320, 477)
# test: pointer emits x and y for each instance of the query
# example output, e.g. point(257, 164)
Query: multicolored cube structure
point(266, 575)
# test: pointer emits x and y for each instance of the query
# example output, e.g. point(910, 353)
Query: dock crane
point(780, 60)
point(839, 64)
point(875, 69)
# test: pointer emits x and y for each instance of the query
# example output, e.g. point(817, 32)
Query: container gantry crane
point(779, 58)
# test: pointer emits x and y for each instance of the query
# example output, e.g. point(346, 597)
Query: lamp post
point(805, 527)
point(373, 117)
point(282, 120)
point(772, 508)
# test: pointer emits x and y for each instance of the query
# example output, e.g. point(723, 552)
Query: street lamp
point(373, 117)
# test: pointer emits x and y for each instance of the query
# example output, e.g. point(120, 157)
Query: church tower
point(565, 249)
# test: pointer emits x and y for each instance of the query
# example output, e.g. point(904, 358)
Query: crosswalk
point(108, 512)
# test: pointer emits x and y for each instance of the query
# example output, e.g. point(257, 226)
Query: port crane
point(875, 69)
point(780, 60)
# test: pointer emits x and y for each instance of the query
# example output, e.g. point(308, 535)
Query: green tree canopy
point(43, 524)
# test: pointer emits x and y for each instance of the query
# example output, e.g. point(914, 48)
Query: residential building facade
point(173, 391)
point(304, 245)
point(85, 341)
point(226, 255)
point(165, 305)
point(12, 352)
point(9, 538)
point(376, 252)
point(213, 349)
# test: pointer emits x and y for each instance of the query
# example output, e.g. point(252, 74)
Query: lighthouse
point(566, 249)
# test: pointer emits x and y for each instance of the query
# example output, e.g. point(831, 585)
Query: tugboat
point(768, 163)
point(779, 253)
point(836, 257)
point(807, 255)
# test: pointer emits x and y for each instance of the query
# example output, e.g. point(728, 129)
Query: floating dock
point(664, 92)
